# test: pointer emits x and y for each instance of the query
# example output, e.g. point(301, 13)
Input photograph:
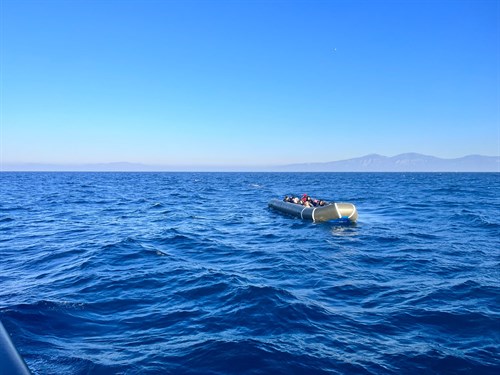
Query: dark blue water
point(130, 273)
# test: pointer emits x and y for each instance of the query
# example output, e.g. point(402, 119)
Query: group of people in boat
point(306, 200)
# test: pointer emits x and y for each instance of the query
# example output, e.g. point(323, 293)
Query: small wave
point(423, 236)
point(208, 282)
point(477, 218)
point(248, 355)
point(419, 360)
point(469, 290)
point(457, 323)
point(157, 205)
point(126, 243)
point(161, 253)
point(41, 305)
point(130, 250)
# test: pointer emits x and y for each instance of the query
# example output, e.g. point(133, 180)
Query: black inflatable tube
point(11, 362)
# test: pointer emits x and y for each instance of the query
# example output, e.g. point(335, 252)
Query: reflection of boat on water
point(10, 361)
point(340, 212)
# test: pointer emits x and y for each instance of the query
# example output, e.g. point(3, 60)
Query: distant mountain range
point(410, 162)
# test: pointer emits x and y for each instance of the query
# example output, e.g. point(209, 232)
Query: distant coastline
point(409, 162)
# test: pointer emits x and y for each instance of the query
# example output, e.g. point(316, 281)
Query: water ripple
point(191, 273)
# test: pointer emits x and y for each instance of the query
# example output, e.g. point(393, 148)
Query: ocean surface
point(192, 273)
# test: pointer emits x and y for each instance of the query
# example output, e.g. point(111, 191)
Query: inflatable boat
point(10, 361)
point(338, 212)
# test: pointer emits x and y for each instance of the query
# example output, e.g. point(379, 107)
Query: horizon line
point(363, 166)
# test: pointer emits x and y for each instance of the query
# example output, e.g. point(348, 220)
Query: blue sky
point(247, 82)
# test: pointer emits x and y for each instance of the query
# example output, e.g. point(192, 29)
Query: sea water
point(154, 273)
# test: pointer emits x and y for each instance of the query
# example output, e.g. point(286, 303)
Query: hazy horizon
point(363, 163)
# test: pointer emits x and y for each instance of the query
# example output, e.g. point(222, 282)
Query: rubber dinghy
point(340, 212)
point(10, 361)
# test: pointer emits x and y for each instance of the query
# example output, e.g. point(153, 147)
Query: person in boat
point(306, 201)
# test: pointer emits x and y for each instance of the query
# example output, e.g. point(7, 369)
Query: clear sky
point(247, 82)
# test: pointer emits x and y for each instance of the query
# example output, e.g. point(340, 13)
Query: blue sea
point(192, 273)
